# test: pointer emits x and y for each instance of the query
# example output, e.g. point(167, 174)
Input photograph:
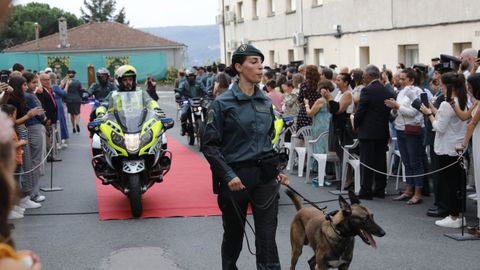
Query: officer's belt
point(251, 163)
point(245, 164)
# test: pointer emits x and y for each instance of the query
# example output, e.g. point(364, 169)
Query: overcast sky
point(148, 13)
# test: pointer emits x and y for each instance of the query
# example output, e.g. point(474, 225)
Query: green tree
point(101, 11)
point(20, 24)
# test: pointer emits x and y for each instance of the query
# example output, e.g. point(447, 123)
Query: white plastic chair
point(394, 153)
point(354, 162)
point(322, 136)
point(301, 151)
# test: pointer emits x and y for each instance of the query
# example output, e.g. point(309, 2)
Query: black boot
point(184, 129)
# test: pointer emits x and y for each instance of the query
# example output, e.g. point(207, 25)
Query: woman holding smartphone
point(449, 131)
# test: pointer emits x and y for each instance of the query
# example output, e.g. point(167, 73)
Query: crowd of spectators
point(432, 113)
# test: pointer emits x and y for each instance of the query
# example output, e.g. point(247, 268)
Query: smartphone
point(424, 99)
point(478, 54)
point(4, 78)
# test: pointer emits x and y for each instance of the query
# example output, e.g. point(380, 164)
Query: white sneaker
point(59, 146)
point(15, 215)
point(39, 198)
point(449, 222)
point(18, 209)
point(64, 144)
point(28, 204)
point(472, 196)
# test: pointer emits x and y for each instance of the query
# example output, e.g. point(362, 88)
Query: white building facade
point(350, 33)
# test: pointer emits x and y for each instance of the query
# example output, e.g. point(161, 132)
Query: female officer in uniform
point(237, 144)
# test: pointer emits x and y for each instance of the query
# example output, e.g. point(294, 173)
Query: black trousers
point(265, 219)
point(373, 154)
point(450, 187)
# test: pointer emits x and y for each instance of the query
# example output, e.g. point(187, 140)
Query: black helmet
point(100, 72)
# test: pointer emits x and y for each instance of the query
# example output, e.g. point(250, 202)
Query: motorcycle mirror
point(167, 122)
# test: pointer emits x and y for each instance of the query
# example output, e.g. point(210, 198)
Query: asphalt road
point(67, 234)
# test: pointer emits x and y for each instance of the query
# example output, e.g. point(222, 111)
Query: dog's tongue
point(370, 239)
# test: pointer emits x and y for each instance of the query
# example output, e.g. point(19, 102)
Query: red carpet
point(185, 191)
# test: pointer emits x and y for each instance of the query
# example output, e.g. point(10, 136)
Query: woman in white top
point(409, 143)
point(341, 106)
point(473, 132)
point(449, 131)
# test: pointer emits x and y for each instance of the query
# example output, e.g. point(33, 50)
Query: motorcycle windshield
point(129, 110)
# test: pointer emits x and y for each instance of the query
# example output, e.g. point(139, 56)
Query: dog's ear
point(353, 198)
point(344, 205)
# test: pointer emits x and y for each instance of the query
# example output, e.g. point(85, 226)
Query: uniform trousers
point(263, 196)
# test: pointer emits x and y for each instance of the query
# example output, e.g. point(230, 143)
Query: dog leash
point(305, 199)
point(264, 206)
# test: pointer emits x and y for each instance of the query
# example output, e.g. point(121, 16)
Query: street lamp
point(37, 28)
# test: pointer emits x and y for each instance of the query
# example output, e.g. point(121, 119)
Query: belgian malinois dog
point(331, 236)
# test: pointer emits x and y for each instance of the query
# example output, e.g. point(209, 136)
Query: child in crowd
point(11, 111)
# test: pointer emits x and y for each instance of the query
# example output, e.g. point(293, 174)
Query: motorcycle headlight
point(117, 139)
point(132, 142)
point(146, 138)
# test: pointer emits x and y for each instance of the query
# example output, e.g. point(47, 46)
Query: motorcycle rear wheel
point(135, 194)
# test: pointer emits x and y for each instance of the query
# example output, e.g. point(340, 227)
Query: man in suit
point(371, 121)
point(47, 98)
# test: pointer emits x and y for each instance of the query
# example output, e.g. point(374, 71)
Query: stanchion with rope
point(52, 188)
point(46, 189)
point(461, 196)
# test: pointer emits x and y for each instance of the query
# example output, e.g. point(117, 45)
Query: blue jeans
point(411, 150)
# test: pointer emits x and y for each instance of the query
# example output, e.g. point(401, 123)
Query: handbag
point(413, 129)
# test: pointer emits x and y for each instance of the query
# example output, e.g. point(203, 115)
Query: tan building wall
point(372, 31)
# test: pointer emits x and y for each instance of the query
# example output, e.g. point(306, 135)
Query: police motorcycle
point(132, 158)
point(281, 124)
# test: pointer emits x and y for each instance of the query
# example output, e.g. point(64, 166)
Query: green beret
point(248, 50)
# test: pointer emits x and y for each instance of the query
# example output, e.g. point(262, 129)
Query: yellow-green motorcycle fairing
point(107, 130)
point(156, 127)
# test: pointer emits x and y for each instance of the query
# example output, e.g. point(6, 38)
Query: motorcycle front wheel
point(135, 194)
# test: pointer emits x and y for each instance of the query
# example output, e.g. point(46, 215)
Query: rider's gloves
point(159, 112)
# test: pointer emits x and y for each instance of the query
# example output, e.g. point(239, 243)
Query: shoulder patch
point(211, 116)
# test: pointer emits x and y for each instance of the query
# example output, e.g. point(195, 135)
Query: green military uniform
point(237, 136)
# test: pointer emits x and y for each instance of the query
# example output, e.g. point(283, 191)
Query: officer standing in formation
point(237, 144)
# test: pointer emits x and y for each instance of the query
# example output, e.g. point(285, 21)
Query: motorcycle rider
point(126, 76)
point(100, 89)
point(189, 88)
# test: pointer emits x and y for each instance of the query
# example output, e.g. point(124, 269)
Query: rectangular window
point(291, 5)
point(229, 57)
point(319, 57)
point(254, 9)
point(227, 9)
point(316, 3)
point(291, 56)
point(408, 54)
point(271, 7)
point(459, 47)
point(364, 54)
point(240, 12)
point(271, 55)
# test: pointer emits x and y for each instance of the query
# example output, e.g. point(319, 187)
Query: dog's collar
point(329, 217)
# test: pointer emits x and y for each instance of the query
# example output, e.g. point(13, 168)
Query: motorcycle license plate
point(133, 166)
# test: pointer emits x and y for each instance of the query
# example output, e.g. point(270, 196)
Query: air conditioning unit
point(232, 45)
point(229, 17)
point(299, 39)
point(244, 41)
point(219, 19)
